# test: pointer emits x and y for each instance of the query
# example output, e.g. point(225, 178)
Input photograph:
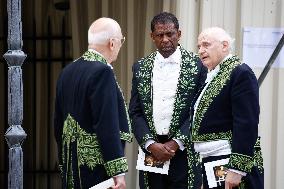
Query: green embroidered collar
point(93, 56)
point(213, 89)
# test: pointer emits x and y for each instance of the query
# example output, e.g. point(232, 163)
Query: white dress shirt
point(165, 79)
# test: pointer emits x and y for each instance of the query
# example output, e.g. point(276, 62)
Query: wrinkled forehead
point(204, 37)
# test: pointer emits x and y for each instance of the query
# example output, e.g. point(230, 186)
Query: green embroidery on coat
point(258, 159)
point(88, 149)
point(145, 138)
point(192, 161)
point(211, 92)
point(93, 56)
point(145, 88)
point(116, 166)
point(186, 85)
point(183, 138)
point(146, 183)
point(241, 162)
point(257, 144)
point(125, 136)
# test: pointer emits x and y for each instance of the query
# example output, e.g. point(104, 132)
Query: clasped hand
point(163, 152)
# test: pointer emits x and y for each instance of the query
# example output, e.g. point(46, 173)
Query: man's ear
point(179, 34)
point(111, 44)
point(225, 45)
point(152, 36)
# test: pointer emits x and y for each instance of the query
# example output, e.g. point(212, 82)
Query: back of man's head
point(102, 30)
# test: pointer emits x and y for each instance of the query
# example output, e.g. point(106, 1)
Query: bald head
point(218, 34)
point(214, 44)
point(103, 29)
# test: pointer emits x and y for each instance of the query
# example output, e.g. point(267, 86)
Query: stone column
point(15, 57)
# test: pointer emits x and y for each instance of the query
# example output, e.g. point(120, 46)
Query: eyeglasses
point(122, 40)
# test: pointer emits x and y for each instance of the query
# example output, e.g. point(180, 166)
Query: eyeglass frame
point(122, 40)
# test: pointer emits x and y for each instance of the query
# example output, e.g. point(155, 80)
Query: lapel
point(213, 89)
point(145, 88)
point(186, 85)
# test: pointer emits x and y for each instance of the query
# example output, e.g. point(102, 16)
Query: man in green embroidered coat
point(226, 116)
point(91, 120)
point(163, 86)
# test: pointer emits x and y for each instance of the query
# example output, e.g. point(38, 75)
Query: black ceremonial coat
point(91, 123)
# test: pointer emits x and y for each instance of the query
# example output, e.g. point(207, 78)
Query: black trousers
point(177, 177)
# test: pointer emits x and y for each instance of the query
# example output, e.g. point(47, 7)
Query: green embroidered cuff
point(116, 166)
point(241, 162)
point(183, 138)
point(145, 138)
point(126, 136)
point(257, 143)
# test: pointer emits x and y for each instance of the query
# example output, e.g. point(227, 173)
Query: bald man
point(91, 121)
point(226, 117)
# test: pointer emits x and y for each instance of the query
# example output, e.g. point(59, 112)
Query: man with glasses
point(163, 87)
point(91, 120)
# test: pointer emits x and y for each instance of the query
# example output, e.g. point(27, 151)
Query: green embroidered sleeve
point(125, 136)
point(183, 138)
point(241, 162)
point(145, 138)
point(116, 166)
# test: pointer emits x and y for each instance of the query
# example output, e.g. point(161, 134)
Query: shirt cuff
point(180, 144)
point(121, 174)
point(148, 143)
point(238, 172)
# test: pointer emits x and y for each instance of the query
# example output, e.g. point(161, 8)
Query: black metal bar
point(34, 171)
point(6, 102)
point(34, 103)
point(43, 38)
point(53, 60)
point(49, 54)
point(271, 60)
point(63, 41)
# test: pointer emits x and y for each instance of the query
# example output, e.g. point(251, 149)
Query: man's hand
point(232, 180)
point(172, 146)
point(160, 152)
point(119, 182)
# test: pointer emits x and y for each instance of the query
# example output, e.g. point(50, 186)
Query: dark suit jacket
point(91, 123)
point(229, 109)
point(192, 75)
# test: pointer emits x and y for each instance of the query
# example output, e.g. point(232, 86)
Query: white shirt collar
point(211, 74)
point(174, 58)
point(93, 50)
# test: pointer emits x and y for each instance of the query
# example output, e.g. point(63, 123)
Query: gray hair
point(99, 38)
point(220, 35)
point(102, 30)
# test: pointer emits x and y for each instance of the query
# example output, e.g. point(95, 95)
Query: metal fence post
point(15, 57)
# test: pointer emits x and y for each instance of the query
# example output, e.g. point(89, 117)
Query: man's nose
point(200, 50)
point(165, 38)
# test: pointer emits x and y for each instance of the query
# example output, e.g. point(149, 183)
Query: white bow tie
point(167, 60)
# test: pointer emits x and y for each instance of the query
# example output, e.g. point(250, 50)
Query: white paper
point(104, 185)
point(211, 174)
point(259, 44)
point(148, 164)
